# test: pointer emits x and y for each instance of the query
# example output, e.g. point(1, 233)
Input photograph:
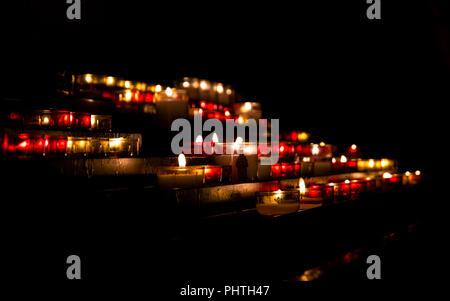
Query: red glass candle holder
point(297, 169)
point(287, 170)
point(343, 191)
point(62, 119)
point(56, 144)
point(81, 120)
point(371, 184)
point(357, 187)
point(276, 170)
point(38, 144)
point(213, 174)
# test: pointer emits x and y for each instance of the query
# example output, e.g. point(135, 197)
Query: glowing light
point(353, 148)
point(219, 88)
point(46, 121)
point(158, 88)
point(417, 172)
point(343, 159)
point(240, 120)
point(88, 78)
point(302, 186)
point(227, 113)
point(203, 85)
point(407, 173)
point(127, 84)
point(368, 178)
point(322, 144)
point(239, 140)
point(278, 194)
point(333, 160)
point(229, 92)
point(110, 80)
point(315, 150)
point(199, 139)
point(181, 160)
point(331, 184)
point(384, 163)
point(115, 142)
point(371, 163)
point(302, 136)
point(186, 84)
point(246, 107)
point(128, 95)
point(169, 92)
point(387, 175)
point(306, 159)
point(92, 120)
point(347, 181)
point(215, 138)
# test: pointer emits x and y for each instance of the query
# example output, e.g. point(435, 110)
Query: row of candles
point(292, 199)
point(120, 90)
point(32, 145)
point(62, 120)
point(228, 164)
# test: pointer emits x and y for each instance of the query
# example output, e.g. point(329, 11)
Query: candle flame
point(387, 175)
point(278, 193)
point(315, 150)
point(302, 186)
point(181, 160)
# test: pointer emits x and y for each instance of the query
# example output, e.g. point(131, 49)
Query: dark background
point(319, 66)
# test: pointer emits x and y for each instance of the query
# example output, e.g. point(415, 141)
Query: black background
point(319, 66)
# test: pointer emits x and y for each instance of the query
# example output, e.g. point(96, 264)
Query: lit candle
point(181, 176)
point(357, 187)
point(343, 191)
point(278, 202)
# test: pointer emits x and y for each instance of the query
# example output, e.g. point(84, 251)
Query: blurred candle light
point(181, 176)
point(110, 81)
point(273, 203)
point(88, 78)
point(203, 85)
point(219, 88)
point(315, 150)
